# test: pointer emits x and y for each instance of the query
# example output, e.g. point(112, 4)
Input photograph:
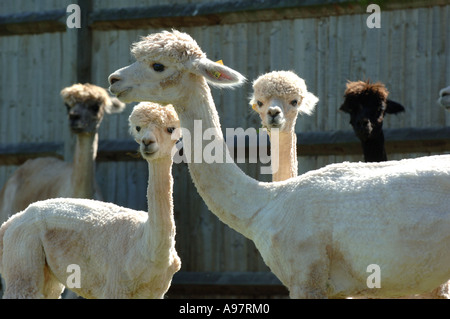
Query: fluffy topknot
point(82, 93)
point(175, 46)
point(145, 113)
point(279, 83)
point(366, 88)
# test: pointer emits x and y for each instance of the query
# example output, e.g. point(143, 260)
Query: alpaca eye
point(158, 67)
point(170, 130)
point(95, 108)
point(138, 128)
point(259, 103)
point(294, 102)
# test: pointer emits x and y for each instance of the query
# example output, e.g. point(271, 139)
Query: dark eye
point(294, 102)
point(158, 67)
point(138, 128)
point(94, 108)
point(170, 130)
point(259, 103)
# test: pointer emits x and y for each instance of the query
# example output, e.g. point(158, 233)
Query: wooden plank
point(308, 143)
point(84, 44)
point(117, 150)
point(193, 14)
point(33, 22)
point(17, 154)
point(396, 141)
point(230, 12)
point(226, 283)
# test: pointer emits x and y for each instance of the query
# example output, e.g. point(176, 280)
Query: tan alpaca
point(319, 232)
point(121, 253)
point(47, 177)
point(278, 97)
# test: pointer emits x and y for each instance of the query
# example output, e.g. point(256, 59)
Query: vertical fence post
point(84, 43)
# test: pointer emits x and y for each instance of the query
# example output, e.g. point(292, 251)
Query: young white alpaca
point(121, 253)
point(48, 177)
point(318, 232)
point(444, 98)
point(278, 97)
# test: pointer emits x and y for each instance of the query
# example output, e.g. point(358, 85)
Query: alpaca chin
point(276, 123)
point(79, 127)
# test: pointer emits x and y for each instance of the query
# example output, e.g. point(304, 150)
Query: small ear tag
point(254, 106)
point(217, 74)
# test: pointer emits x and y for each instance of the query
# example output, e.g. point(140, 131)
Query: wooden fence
point(325, 42)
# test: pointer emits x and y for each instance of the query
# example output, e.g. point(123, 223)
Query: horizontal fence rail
point(226, 283)
point(194, 14)
point(403, 140)
point(33, 22)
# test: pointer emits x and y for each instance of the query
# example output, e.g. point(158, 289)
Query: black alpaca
point(367, 103)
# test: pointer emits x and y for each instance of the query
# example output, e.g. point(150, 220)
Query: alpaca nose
point(148, 141)
point(74, 116)
point(113, 78)
point(274, 111)
point(74, 112)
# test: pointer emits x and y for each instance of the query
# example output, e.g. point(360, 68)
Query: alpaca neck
point(232, 196)
point(160, 227)
point(83, 174)
point(287, 165)
point(374, 150)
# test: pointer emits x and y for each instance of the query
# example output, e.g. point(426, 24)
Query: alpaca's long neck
point(374, 150)
point(83, 174)
point(232, 196)
point(285, 165)
point(161, 225)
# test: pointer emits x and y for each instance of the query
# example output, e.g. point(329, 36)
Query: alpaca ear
point(308, 104)
point(114, 106)
point(217, 74)
point(394, 107)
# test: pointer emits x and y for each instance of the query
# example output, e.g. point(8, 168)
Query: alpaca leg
point(441, 292)
point(32, 283)
point(311, 283)
point(307, 292)
point(52, 287)
point(23, 264)
point(24, 274)
point(116, 288)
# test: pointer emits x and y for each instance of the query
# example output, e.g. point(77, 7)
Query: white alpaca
point(121, 253)
point(278, 97)
point(48, 177)
point(318, 232)
point(444, 98)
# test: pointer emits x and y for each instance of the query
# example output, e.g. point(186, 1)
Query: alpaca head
point(444, 97)
point(279, 96)
point(367, 103)
point(168, 65)
point(86, 104)
point(155, 129)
